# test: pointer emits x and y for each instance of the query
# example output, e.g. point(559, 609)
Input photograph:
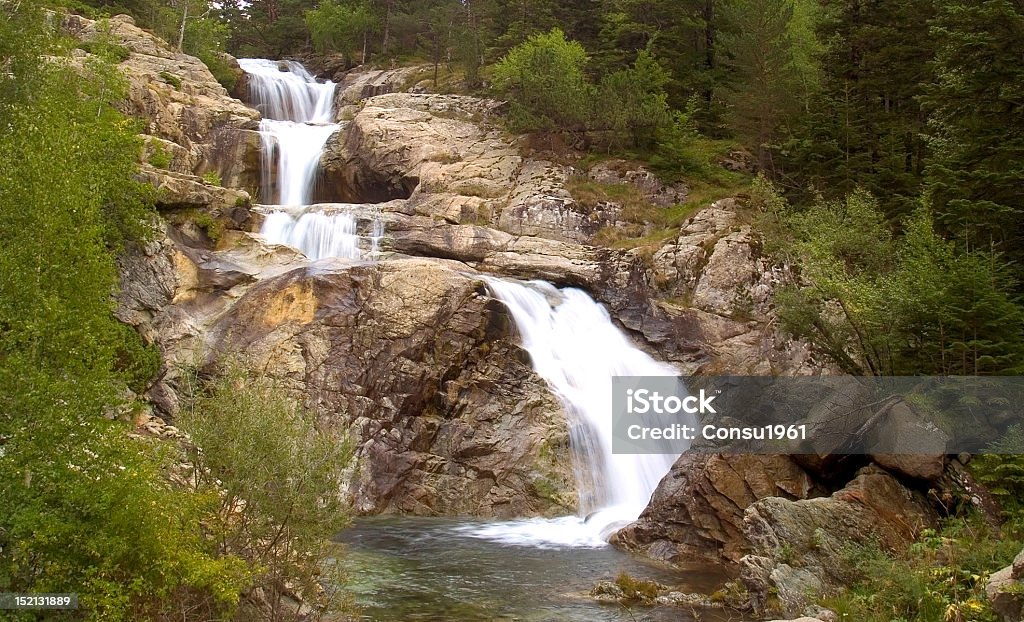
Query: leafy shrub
point(212, 178)
point(160, 157)
point(278, 476)
point(544, 77)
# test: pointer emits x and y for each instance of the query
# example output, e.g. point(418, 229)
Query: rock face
point(187, 114)
point(442, 153)
point(620, 172)
point(409, 357)
point(1005, 590)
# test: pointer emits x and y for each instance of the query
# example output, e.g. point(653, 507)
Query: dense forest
point(885, 140)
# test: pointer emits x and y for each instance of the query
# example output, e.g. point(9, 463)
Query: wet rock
point(407, 357)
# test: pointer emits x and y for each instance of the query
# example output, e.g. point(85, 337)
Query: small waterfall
point(575, 347)
point(324, 231)
point(297, 122)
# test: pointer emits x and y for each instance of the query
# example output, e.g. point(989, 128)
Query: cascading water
point(575, 347)
point(323, 231)
point(297, 121)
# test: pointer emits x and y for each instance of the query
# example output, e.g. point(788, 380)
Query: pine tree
point(975, 182)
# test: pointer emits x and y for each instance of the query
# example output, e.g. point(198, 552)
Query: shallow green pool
point(437, 569)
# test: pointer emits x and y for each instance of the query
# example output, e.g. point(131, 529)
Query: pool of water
point(421, 569)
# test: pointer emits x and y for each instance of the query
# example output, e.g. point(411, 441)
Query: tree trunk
point(387, 30)
point(184, 19)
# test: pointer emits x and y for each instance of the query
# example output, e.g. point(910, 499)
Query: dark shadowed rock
point(697, 511)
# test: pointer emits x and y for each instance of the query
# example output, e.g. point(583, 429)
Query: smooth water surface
point(429, 569)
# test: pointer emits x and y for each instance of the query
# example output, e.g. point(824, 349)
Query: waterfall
point(322, 231)
point(576, 349)
point(297, 121)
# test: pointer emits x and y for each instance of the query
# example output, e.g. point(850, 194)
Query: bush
point(278, 476)
point(85, 508)
point(545, 81)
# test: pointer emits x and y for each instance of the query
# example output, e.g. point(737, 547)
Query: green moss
point(213, 227)
point(171, 79)
point(212, 178)
point(636, 589)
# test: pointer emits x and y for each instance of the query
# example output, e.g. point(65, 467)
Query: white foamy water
point(323, 231)
point(575, 347)
point(297, 122)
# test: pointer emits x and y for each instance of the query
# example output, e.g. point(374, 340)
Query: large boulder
point(1005, 590)
point(797, 548)
point(697, 511)
point(443, 153)
point(409, 358)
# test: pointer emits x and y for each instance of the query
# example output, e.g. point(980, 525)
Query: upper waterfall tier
point(284, 91)
point(297, 122)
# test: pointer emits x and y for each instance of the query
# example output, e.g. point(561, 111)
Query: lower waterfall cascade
point(577, 350)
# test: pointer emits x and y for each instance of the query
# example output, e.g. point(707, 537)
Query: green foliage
point(160, 157)
point(881, 305)
point(631, 106)
point(942, 577)
point(864, 127)
point(279, 479)
point(86, 509)
point(171, 79)
point(546, 82)
point(1001, 470)
point(339, 27)
point(976, 127)
point(544, 77)
point(765, 76)
point(636, 589)
point(106, 50)
point(212, 178)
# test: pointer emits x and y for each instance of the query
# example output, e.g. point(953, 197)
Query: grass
point(941, 577)
point(695, 163)
point(160, 157)
point(636, 589)
point(171, 79)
